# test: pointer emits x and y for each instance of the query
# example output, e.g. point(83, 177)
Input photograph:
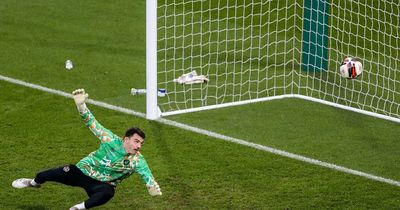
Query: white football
point(351, 68)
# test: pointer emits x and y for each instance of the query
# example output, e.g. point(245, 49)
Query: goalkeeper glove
point(80, 97)
point(154, 189)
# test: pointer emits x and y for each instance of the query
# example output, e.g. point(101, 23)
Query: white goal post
point(259, 50)
point(152, 112)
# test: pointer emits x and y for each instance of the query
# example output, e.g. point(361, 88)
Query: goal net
point(256, 50)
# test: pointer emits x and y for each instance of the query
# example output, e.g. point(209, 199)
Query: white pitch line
point(212, 134)
point(69, 95)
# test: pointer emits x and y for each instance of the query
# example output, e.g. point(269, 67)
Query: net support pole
point(152, 112)
point(315, 35)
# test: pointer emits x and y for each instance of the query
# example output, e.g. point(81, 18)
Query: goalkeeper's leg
point(68, 175)
point(60, 175)
point(99, 194)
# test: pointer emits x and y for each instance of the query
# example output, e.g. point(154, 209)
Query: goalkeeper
point(100, 171)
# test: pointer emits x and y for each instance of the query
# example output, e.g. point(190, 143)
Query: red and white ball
point(351, 68)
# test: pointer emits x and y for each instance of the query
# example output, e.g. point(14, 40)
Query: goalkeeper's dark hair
point(131, 131)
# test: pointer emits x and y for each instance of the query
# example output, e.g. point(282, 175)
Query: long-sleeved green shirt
point(110, 163)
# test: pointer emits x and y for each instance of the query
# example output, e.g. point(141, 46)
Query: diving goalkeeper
point(102, 170)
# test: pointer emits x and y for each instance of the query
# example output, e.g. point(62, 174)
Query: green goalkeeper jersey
point(110, 163)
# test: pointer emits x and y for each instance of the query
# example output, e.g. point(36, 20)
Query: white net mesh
point(368, 30)
point(251, 49)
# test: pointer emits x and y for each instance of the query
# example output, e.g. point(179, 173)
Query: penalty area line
point(210, 133)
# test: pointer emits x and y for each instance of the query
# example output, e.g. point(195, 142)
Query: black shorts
point(99, 192)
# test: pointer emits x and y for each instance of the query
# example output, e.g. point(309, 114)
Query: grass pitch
point(40, 130)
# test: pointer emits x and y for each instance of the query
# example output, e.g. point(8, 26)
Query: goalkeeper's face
point(133, 143)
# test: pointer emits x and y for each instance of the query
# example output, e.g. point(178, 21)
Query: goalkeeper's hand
point(154, 190)
point(80, 98)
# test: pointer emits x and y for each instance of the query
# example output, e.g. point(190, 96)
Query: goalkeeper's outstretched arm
point(103, 134)
point(144, 171)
